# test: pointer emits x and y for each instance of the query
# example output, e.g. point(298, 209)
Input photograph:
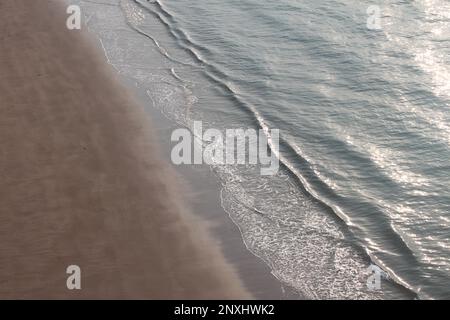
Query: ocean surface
point(364, 127)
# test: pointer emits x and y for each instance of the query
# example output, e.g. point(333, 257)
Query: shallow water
point(363, 116)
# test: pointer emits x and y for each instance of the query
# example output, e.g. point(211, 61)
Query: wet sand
point(81, 179)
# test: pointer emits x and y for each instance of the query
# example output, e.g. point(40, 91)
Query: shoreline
point(201, 190)
point(81, 183)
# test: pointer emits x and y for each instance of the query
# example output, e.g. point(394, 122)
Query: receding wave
point(306, 192)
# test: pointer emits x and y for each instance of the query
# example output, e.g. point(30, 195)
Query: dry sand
point(80, 181)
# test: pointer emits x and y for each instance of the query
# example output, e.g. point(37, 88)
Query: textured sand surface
point(80, 181)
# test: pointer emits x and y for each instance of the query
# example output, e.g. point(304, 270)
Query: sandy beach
point(81, 179)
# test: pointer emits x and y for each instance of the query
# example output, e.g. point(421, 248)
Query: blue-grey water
point(363, 116)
